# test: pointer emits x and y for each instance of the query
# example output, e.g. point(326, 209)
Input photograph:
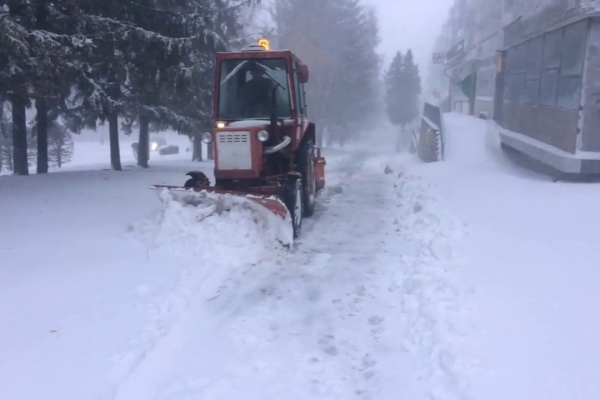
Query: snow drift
point(214, 231)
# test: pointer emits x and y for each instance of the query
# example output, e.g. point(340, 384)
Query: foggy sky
point(410, 23)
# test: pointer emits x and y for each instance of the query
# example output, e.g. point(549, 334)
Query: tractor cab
point(247, 87)
point(259, 84)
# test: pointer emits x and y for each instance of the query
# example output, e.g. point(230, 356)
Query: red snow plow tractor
point(264, 145)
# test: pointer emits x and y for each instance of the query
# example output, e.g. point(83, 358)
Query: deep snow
point(466, 279)
point(533, 268)
point(345, 315)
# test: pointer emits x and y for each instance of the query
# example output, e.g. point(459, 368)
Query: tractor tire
point(293, 197)
point(306, 166)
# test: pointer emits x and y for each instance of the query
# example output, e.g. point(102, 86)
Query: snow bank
point(533, 266)
point(433, 301)
point(208, 233)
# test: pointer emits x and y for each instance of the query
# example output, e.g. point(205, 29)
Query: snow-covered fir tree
point(60, 145)
point(96, 61)
point(337, 39)
point(402, 90)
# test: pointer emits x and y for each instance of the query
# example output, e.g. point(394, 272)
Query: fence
point(430, 144)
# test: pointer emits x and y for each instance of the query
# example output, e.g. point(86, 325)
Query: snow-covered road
point(325, 320)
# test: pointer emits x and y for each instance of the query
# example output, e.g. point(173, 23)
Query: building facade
point(472, 36)
point(532, 67)
point(548, 84)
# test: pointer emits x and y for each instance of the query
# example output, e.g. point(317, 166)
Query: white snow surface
point(466, 279)
point(531, 261)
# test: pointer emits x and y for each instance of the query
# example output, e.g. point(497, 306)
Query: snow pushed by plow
point(210, 245)
point(224, 228)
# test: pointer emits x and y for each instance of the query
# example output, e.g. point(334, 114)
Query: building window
point(552, 48)
point(573, 49)
point(548, 87)
point(485, 82)
point(571, 65)
point(548, 70)
point(533, 69)
point(519, 92)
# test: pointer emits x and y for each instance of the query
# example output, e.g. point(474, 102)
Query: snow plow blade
point(224, 199)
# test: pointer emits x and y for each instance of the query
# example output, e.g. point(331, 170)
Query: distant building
point(547, 94)
point(533, 68)
point(472, 36)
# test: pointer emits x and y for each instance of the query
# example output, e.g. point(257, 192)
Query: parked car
point(158, 145)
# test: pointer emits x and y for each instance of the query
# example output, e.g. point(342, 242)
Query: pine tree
point(89, 62)
point(337, 40)
point(412, 85)
point(37, 43)
point(152, 46)
point(60, 145)
point(394, 82)
point(193, 86)
point(402, 90)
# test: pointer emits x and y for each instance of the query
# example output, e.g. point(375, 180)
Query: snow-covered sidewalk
point(533, 267)
point(357, 310)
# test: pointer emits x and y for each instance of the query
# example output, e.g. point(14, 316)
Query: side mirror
point(303, 73)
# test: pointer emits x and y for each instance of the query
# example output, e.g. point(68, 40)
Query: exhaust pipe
point(282, 145)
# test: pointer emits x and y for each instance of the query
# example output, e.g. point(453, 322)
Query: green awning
point(466, 86)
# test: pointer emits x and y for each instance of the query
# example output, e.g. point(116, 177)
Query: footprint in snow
point(328, 347)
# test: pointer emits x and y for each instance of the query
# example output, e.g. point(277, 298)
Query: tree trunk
point(197, 148)
point(144, 142)
point(115, 152)
point(399, 138)
point(2, 136)
point(210, 151)
point(42, 136)
point(19, 133)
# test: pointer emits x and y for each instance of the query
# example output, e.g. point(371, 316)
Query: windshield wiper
point(233, 72)
point(264, 67)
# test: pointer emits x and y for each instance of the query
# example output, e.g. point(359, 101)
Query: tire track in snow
point(326, 296)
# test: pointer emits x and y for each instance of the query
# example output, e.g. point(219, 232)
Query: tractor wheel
point(306, 166)
point(294, 200)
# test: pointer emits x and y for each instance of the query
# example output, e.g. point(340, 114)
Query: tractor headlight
point(263, 136)
point(207, 137)
point(153, 146)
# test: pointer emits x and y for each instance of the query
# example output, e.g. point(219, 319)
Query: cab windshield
point(246, 88)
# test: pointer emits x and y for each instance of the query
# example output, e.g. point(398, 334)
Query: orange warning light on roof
point(264, 43)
